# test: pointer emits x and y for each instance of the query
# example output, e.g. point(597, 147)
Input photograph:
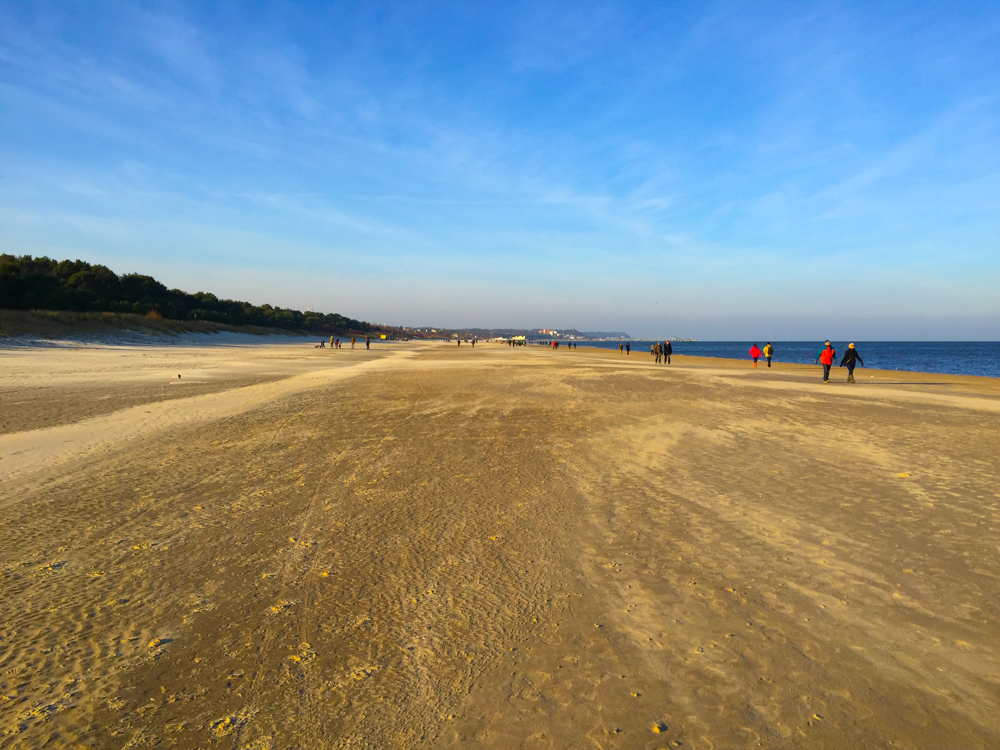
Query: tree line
point(29, 283)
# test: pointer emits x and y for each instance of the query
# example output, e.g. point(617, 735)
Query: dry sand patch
point(511, 548)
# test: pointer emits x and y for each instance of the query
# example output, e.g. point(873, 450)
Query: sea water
point(952, 357)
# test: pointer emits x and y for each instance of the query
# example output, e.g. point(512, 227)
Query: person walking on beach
point(754, 354)
point(826, 356)
point(667, 351)
point(851, 358)
point(352, 342)
point(368, 342)
point(628, 347)
point(768, 352)
point(331, 342)
point(657, 351)
point(620, 348)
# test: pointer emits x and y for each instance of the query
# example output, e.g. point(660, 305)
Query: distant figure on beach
point(321, 345)
point(826, 357)
point(658, 352)
point(352, 342)
point(628, 347)
point(473, 343)
point(368, 342)
point(754, 354)
point(768, 352)
point(667, 351)
point(851, 358)
point(621, 347)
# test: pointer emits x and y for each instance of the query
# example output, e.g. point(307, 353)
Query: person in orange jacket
point(826, 357)
point(754, 354)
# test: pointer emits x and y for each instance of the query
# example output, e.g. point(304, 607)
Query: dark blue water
point(953, 357)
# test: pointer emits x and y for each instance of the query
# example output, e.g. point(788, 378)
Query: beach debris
point(659, 727)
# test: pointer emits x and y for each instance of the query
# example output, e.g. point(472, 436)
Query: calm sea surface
point(954, 357)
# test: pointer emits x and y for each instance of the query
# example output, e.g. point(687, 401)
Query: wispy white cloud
point(707, 144)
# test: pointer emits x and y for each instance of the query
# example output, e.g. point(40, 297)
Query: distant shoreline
point(977, 358)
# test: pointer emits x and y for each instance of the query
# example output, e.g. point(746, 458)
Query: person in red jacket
point(826, 357)
point(754, 354)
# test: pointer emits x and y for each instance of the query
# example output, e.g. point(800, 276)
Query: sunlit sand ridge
point(492, 547)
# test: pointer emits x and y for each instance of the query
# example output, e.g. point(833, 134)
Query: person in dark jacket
point(851, 358)
point(667, 351)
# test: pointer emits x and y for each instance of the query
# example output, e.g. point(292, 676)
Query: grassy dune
point(56, 323)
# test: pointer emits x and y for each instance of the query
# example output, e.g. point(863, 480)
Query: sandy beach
point(426, 545)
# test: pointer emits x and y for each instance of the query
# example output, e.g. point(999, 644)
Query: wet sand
point(440, 546)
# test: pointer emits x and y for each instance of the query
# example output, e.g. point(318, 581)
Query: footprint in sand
point(306, 654)
point(222, 727)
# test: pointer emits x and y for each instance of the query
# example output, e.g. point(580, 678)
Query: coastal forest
point(41, 283)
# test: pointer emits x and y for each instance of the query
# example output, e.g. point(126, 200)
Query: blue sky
point(729, 170)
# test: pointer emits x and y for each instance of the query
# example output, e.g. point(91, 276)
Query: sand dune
point(447, 547)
